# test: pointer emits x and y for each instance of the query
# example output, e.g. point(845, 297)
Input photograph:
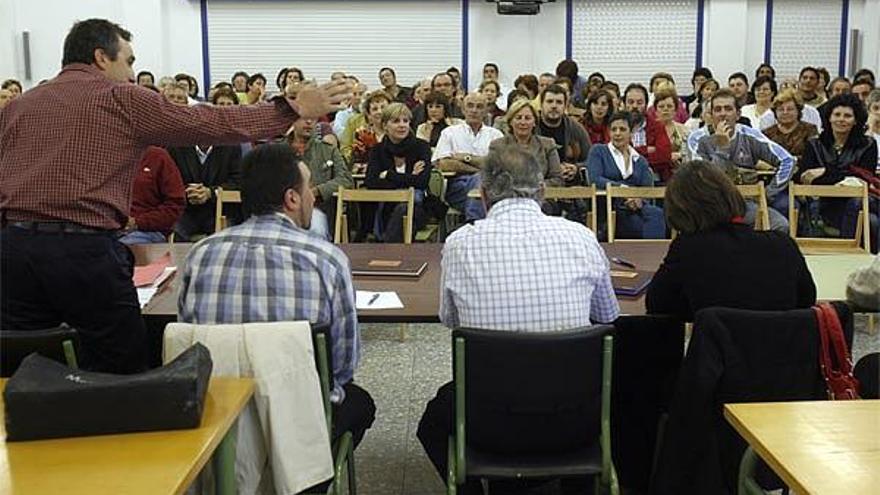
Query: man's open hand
point(313, 102)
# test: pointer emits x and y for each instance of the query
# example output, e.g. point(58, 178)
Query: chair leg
point(402, 332)
point(352, 481)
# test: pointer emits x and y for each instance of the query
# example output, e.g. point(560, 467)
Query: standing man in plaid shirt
point(272, 268)
point(517, 270)
point(68, 156)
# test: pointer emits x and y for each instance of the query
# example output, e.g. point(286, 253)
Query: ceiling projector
point(519, 7)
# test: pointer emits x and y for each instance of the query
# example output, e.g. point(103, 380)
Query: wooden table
point(420, 297)
point(830, 272)
point(151, 463)
point(817, 448)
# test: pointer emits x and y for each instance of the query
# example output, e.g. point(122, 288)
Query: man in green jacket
point(328, 173)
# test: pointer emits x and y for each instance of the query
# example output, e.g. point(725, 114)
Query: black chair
point(343, 448)
point(867, 372)
point(60, 344)
point(648, 351)
point(532, 406)
point(736, 356)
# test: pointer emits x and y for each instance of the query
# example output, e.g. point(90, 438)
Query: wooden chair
point(620, 192)
point(577, 192)
point(373, 196)
point(223, 197)
point(757, 193)
point(818, 245)
point(434, 230)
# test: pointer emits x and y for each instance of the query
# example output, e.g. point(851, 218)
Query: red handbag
point(839, 380)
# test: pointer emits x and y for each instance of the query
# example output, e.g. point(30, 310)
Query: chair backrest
point(620, 192)
point(528, 392)
point(59, 344)
point(816, 245)
point(577, 192)
point(324, 365)
point(343, 195)
point(757, 193)
point(867, 371)
point(221, 197)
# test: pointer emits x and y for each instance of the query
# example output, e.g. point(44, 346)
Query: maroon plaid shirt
point(69, 148)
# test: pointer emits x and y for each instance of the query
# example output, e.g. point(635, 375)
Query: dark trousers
point(355, 414)
point(83, 280)
point(438, 422)
point(393, 220)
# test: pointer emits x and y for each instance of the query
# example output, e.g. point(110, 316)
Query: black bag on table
point(46, 399)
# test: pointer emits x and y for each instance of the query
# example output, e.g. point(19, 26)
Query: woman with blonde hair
point(522, 119)
point(399, 161)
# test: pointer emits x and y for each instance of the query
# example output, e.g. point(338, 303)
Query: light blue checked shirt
point(522, 270)
point(268, 269)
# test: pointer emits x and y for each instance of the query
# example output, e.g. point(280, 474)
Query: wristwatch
point(467, 158)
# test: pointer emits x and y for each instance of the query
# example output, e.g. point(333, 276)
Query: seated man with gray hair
point(516, 270)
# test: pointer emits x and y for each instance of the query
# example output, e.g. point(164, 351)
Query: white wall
point(167, 35)
point(518, 44)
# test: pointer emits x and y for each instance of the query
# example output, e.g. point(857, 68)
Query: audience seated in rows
point(841, 151)
point(762, 270)
point(665, 112)
point(293, 276)
point(399, 161)
point(363, 131)
point(663, 79)
point(516, 270)
point(619, 164)
point(441, 83)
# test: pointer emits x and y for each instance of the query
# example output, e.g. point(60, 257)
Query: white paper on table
point(386, 300)
point(145, 294)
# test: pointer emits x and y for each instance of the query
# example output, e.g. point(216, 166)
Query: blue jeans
point(457, 189)
point(851, 216)
point(778, 222)
point(645, 223)
point(142, 237)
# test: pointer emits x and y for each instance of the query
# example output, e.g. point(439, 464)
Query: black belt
point(59, 227)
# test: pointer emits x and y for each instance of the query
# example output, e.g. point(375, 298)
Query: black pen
point(623, 262)
point(373, 299)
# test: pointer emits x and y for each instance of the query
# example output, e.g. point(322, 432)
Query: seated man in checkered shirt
point(517, 270)
point(271, 268)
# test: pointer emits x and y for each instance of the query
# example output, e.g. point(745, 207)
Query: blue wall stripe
point(465, 33)
point(701, 8)
point(844, 28)
point(206, 64)
point(568, 27)
point(768, 31)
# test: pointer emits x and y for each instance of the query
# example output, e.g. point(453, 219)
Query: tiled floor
point(402, 377)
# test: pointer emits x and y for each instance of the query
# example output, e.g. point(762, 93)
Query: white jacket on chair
point(283, 444)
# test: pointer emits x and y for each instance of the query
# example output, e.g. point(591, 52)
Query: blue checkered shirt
point(522, 270)
point(268, 269)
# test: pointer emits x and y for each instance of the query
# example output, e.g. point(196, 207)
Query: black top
point(859, 151)
point(557, 133)
point(731, 266)
point(413, 150)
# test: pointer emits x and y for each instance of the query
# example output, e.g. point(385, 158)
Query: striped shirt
point(268, 269)
point(521, 270)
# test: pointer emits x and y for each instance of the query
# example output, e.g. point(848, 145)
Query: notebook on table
point(630, 282)
point(389, 267)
